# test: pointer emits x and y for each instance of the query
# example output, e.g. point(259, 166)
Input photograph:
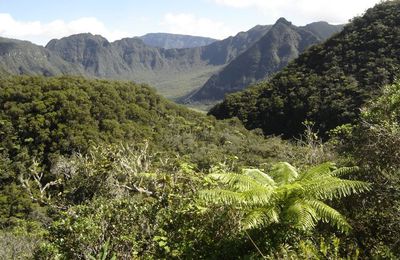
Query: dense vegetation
point(92, 168)
point(329, 82)
point(43, 121)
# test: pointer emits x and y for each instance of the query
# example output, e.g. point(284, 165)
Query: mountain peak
point(283, 20)
point(80, 37)
point(86, 36)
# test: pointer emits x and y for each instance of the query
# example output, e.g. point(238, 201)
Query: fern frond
point(344, 171)
point(222, 197)
point(260, 196)
point(303, 215)
point(259, 177)
point(283, 173)
point(239, 182)
point(332, 188)
point(284, 191)
point(330, 215)
point(260, 217)
point(318, 171)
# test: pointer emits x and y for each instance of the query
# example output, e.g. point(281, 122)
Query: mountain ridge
point(281, 44)
point(175, 41)
point(173, 72)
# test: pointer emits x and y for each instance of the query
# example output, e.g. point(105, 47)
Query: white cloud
point(302, 11)
point(41, 33)
point(190, 24)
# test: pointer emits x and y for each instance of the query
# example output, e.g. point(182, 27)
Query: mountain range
point(173, 72)
point(281, 44)
point(175, 41)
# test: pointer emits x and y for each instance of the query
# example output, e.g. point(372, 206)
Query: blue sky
point(41, 20)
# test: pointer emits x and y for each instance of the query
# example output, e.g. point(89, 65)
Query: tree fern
point(285, 195)
point(301, 215)
point(261, 217)
point(240, 182)
point(283, 173)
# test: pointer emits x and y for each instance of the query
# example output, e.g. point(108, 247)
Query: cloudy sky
point(41, 20)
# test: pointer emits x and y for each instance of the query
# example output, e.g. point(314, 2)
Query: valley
point(107, 151)
point(174, 72)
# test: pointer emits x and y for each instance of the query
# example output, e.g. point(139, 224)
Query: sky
point(39, 21)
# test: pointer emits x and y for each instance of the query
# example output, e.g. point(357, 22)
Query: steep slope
point(22, 57)
point(323, 30)
point(92, 52)
point(222, 52)
point(328, 83)
point(271, 53)
point(174, 72)
point(175, 41)
point(100, 58)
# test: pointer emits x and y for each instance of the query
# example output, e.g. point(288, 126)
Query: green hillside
point(48, 123)
point(51, 116)
point(23, 57)
point(329, 82)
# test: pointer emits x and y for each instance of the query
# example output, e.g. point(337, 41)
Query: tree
point(285, 195)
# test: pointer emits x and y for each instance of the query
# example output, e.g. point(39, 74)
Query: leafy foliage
point(145, 208)
point(285, 195)
point(374, 145)
point(84, 162)
point(71, 145)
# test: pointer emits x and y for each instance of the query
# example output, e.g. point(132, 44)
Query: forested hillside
point(328, 83)
point(42, 117)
